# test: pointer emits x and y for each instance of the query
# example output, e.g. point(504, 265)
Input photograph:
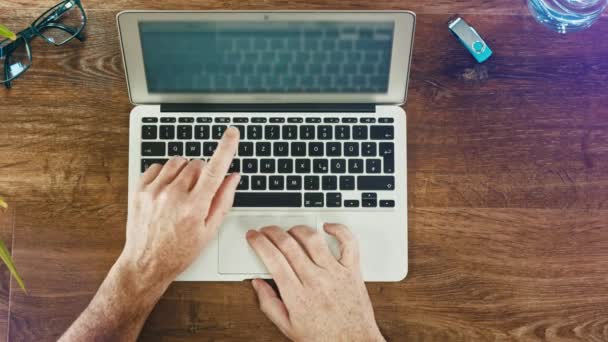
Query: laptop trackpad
point(235, 255)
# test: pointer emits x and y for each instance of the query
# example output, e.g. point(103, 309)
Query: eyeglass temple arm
point(6, 84)
point(62, 27)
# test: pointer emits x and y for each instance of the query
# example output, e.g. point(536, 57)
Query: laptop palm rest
point(235, 254)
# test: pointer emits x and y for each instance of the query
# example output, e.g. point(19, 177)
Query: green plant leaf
point(5, 32)
point(5, 255)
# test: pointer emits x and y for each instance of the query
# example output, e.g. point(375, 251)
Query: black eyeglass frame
point(43, 22)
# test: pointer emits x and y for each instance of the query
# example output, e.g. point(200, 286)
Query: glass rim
point(37, 26)
point(29, 58)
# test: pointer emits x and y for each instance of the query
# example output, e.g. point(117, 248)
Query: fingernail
point(254, 282)
point(232, 131)
point(250, 234)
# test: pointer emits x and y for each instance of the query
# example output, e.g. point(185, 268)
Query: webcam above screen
point(267, 57)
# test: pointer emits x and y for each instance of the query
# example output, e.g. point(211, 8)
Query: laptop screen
point(266, 57)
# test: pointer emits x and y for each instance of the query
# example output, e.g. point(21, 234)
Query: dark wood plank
point(507, 184)
point(439, 6)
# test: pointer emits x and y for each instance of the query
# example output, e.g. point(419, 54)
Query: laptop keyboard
point(295, 162)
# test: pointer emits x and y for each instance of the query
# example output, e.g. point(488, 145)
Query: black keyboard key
point(382, 132)
point(368, 149)
point(313, 199)
point(351, 203)
point(262, 149)
point(285, 165)
point(372, 166)
point(204, 120)
point(307, 132)
point(311, 182)
point(295, 120)
point(320, 166)
point(267, 166)
point(193, 149)
point(168, 120)
point(280, 149)
point(333, 200)
point(268, 199)
point(349, 120)
point(355, 166)
point(222, 120)
point(146, 163)
point(342, 132)
point(217, 131)
point(240, 120)
point(376, 183)
point(186, 120)
point(338, 165)
point(184, 132)
point(331, 120)
point(333, 149)
point(175, 148)
point(315, 149)
point(167, 132)
point(272, 132)
point(258, 120)
point(201, 132)
point(153, 149)
point(290, 132)
point(258, 182)
point(148, 132)
point(387, 203)
point(243, 183)
point(298, 149)
point(313, 120)
point(369, 195)
point(324, 132)
point(347, 183)
point(359, 132)
point(208, 148)
point(149, 120)
point(241, 129)
point(276, 182)
point(386, 120)
point(246, 149)
point(367, 120)
point(302, 165)
point(351, 149)
point(277, 120)
point(370, 203)
point(294, 182)
point(387, 152)
point(235, 166)
point(254, 132)
point(329, 183)
point(250, 166)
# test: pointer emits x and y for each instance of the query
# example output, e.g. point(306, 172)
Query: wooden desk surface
point(508, 182)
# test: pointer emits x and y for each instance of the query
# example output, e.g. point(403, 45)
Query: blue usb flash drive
point(470, 39)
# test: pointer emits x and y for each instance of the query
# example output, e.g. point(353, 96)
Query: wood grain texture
point(508, 183)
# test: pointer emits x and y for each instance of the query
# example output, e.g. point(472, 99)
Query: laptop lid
point(267, 57)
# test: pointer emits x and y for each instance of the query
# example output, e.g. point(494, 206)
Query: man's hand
point(322, 299)
point(174, 212)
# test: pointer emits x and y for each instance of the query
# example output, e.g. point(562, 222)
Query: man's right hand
point(321, 298)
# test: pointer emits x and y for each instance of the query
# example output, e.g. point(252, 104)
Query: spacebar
point(268, 199)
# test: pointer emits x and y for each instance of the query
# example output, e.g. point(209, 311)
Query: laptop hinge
point(269, 107)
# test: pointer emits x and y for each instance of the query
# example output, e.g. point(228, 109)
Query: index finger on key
point(216, 169)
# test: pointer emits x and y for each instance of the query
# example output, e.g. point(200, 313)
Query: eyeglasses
point(58, 25)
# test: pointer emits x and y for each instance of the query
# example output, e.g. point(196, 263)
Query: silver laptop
point(316, 97)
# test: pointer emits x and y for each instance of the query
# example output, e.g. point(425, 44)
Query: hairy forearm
point(118, 310)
